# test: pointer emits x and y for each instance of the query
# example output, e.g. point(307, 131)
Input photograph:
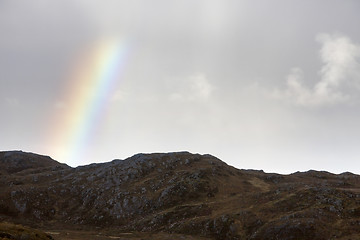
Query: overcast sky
point(272, 85)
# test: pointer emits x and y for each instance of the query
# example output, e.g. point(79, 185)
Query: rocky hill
point(178, 194)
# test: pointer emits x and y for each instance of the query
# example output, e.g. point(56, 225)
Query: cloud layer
point(198, 78)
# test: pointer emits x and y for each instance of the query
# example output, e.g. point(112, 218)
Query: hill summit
point(179, 194)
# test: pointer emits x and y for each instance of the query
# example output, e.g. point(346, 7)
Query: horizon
point(140, 153)
point(273, 86)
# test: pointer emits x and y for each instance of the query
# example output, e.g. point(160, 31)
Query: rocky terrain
point(176, 196)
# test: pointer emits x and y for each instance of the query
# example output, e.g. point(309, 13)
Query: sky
point(270, 85)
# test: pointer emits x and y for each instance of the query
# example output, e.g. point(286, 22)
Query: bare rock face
point(179, 193)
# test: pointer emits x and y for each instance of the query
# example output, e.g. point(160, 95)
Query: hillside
point(183, 195)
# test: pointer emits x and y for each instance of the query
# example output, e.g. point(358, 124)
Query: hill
point(178, 194)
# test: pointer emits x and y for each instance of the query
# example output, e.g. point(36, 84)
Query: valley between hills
point(171, 196)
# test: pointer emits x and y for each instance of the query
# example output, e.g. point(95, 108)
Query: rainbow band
point(91, 90)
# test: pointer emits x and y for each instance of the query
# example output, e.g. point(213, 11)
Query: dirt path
point(90, 235)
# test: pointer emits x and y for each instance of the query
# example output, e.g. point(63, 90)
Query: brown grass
point(13, 231)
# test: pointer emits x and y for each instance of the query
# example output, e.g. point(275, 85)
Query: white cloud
point(60, 105)
point(339, 76)
point(118, 96)
point(12, 102)
point(194, 88)
point(200, 86)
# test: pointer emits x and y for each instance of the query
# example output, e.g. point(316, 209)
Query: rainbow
point(87, 95)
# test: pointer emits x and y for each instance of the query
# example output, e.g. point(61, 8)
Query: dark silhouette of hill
point(177, 196)
point(18, 161)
